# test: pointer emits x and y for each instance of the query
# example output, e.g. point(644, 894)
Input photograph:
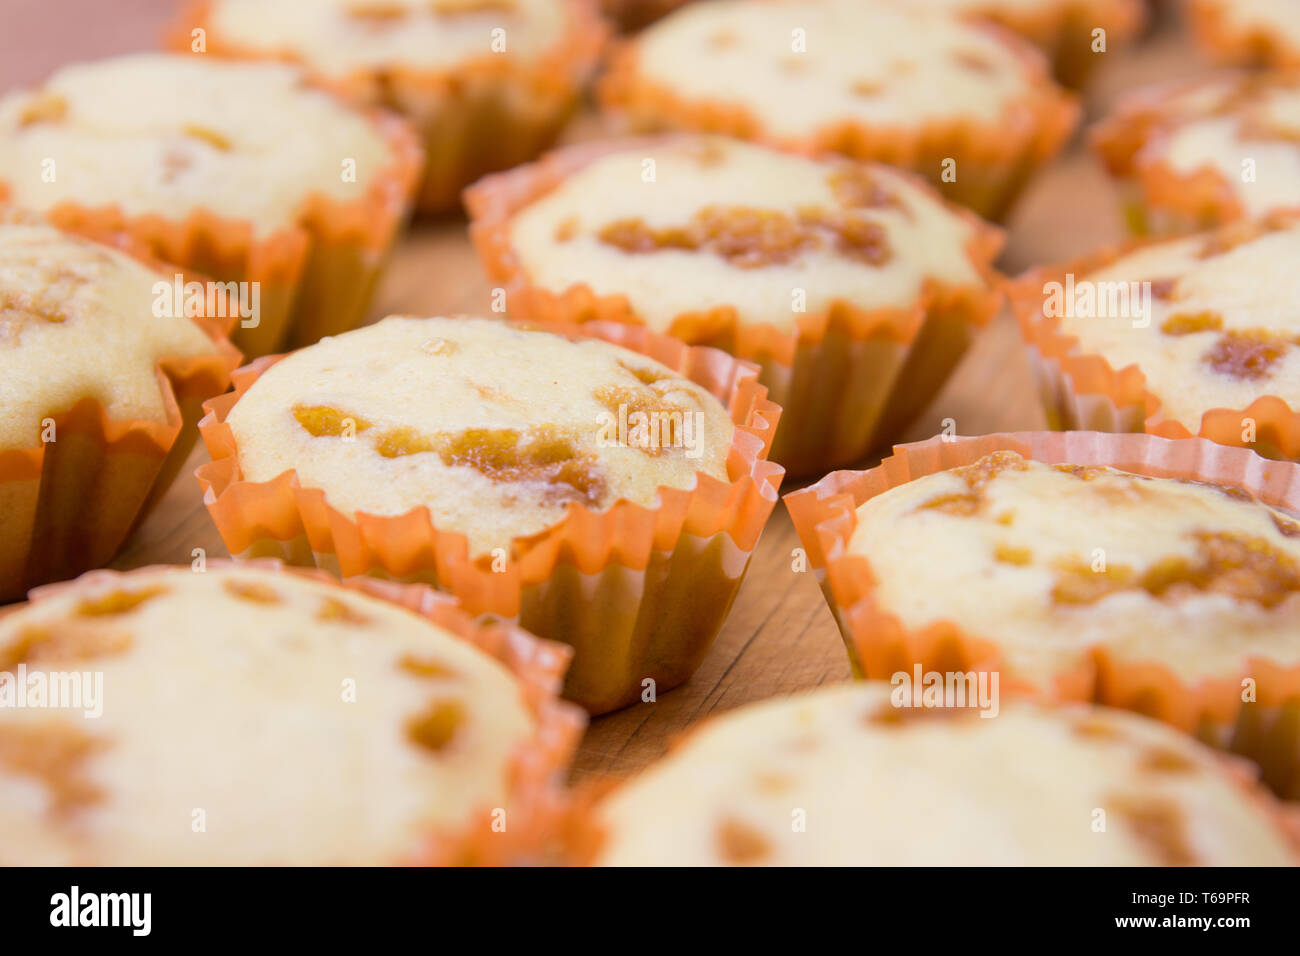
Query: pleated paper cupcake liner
point(639, 592)
point(314, 278)
point(68, 504)
point(1082, 390)
point(1266, 730)
point(994, 159)
point(847, 378)
point(475, 117)
point(535, 801)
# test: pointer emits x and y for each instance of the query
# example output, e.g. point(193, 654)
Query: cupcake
point(970, 107)
point(602, 495)
point(102, 375)
point(852, 286)
point(486, 84)
point(241, 717)
point(241, 171)
point(1248, 32)
point(844, 776)
point(1127, 570)
point(1199, 154)
point(1189, 336)
point(1065, 30)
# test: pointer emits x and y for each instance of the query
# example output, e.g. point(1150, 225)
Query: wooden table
point(780, 637)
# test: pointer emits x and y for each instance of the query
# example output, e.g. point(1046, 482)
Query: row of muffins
point(377, 431)
point(737, 243)
point(304, 196)
point(1214, 356)
point(1153, 629)
point(254, 715)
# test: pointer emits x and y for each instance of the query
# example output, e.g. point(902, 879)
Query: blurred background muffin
point(239, 170)
point(1198, 154)
point(102, 376)
point(486, 84)
point(967, 105)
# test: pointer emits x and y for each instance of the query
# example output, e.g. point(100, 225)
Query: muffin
point(833, 777)
point(101, 382)
point(241, 171)
point(605, 496)
point(852, 285)
point(1247, 32)
point(249, 717)
point(1152, 575)
point(1196, 155)
point(486, 83)
point(1062, 29)
point(970, 107)
point(1189, 336)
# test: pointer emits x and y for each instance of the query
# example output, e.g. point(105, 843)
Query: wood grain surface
point(780, 636)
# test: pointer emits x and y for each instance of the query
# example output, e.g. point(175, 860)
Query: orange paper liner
point(1083, 390)
point(536, 800)
point(1161, 200)
point(847, 378)
point(485, 114)
point(879, 644)
point(994, 159)
point(1228, 42)
point(315, 277)
point(67, 505)
point(640, 592)
point(1063, 30)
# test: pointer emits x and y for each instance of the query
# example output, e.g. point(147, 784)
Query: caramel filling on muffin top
point(801, 68)
point(77, 321)
point(335, 37)
point(754, 238)
point(1053, 562)
point(310, 724)
point(1245, 129)
point(1275, 18)
point(172, 135)
point(724, 223)
point(844, 776)
point(496, 430)
point(1220, 329)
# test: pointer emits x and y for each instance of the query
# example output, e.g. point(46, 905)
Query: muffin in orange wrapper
point(1062, 29)
point(1196, 155)
point(240, 171)
point(253, 715)
point(1247, 32)
point(1127, 570)
point(486, 85)
point(1194, 335)
point(852, 286)
point(857, 775)
point(101, 384)
point(968, 105)
point(604, 491)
